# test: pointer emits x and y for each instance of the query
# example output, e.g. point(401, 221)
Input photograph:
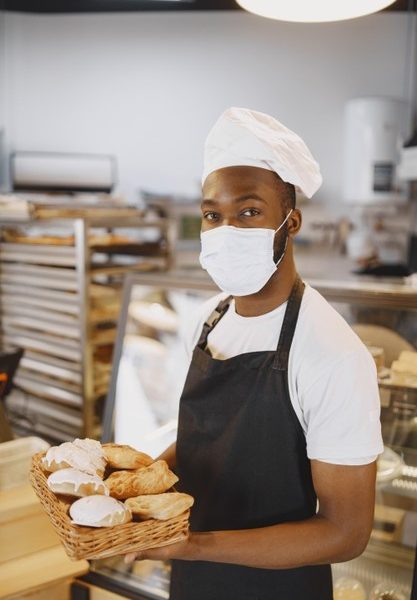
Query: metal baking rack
point(60, 302)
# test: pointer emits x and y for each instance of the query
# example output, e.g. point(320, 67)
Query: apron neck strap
point(288, 326)
point(287, 330)
point(212, 320)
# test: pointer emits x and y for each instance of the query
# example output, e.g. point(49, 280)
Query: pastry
point(73, 482)
point(155, 479)
point(409, 357)
point(70, 455)
point(99, 511)
point(404, 370)
point(346, 588)
point(159, 506)
point(125, 457)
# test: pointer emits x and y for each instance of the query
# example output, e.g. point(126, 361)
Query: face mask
point(240, 260)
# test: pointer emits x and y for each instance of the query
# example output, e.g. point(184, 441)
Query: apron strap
point(212, 320)
point(288, 326)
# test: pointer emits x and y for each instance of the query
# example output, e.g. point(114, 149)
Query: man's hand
point(337, 533)
point(179, 550)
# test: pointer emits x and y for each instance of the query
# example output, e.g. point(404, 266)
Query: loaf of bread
point(99, 511)
point(73, 482)
point(155, 479)
point(159, 506)
point(121, 456)
point(404, 370)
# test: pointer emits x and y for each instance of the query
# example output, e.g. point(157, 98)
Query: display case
point(148, 373)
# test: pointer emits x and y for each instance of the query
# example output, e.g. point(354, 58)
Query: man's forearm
point(169, 455)
point(314, 541)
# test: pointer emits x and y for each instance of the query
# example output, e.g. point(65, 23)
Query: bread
point(99, 511)
point(159, 506)
point(409, 357)
point(404, 370)
point(73, 482)
point(84, 456)
point(155, 479)
point(120, 456)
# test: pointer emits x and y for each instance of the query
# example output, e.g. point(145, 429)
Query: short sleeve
point(342, 411)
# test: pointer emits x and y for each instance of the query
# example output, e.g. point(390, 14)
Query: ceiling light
point(313, 11)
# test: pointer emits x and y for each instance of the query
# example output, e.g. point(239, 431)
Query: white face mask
point(240, 260)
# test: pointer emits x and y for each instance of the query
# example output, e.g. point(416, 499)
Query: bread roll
point(73, 482)
point(120, 456)
point(92, 447)
point(86, 458)
point(99, 511)
point(159, 506)
point(155, 479)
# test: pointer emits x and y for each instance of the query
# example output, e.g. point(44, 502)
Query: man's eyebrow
point(250, 196)
point(208, 202)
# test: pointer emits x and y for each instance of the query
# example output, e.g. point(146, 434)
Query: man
point(279, 417)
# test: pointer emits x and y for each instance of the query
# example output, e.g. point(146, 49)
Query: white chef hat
point(243, 137)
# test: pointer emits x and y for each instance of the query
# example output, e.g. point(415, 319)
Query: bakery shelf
point(60, 281)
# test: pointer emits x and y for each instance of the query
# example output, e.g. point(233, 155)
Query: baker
point(279, 417)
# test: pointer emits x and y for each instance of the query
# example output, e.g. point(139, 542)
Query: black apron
point(241, 452)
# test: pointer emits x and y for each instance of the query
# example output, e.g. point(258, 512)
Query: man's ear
point(294, 222)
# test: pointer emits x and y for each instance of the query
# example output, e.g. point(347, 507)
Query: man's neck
point(272, 295)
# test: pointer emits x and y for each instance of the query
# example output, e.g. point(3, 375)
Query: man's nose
point(230, 221)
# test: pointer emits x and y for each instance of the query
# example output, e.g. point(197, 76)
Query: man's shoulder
point(321, 326)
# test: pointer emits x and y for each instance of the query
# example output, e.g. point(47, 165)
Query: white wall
point(148, 86)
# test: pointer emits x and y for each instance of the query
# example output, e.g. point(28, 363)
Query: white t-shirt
point(331, 375)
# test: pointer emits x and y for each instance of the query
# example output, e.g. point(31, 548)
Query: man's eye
point(250, 212)
point(210, 216)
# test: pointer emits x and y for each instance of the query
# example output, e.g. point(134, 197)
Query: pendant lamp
point(313, 11)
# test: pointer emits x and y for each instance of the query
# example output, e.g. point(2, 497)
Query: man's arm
point(338, 532)
point(169, 455)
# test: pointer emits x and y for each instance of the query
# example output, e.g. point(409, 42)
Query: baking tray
point(43, 343)
point(39, 255)
point(26, 404)
point(53, 370)
point(25, 299)
point(48, 380)
point(67, 299)
point(27, 323)
point(40, 271)
point(44, 282)
point(51, 392)
point(19, 309)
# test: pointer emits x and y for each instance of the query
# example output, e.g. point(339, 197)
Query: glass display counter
point(148, 374)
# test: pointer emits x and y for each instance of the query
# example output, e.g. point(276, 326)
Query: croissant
point(159, 506)
point(125, 457)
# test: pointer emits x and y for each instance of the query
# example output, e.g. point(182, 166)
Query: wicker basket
point(89, 542)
